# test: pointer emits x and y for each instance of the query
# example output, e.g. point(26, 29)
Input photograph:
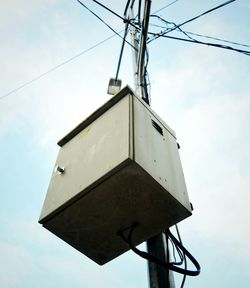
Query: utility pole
point(159, 277)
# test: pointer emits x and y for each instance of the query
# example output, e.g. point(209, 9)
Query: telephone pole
point(159, 276)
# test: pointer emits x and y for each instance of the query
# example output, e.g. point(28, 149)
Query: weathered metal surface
point(157, 152)
point(121, 168)
point(89, 156)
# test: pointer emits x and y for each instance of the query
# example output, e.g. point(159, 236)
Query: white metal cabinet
point(121, 166)
point(90, 155)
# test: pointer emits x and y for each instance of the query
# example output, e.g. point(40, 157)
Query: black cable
point(181, 255)
point(166, 6)
point(245, 52)
point(167, 251)
point(186, 253)
point(173, 248)
point(66, 61)
point(146, 78)
point(151, 258)
point(132, 4)
point(56, 67)
point(122, 49)
point(197, 41)
point(142, 53)
point(195, 34)
point(139, 13)
point(171, 23)
point(190, 20)
point(108, 9)
point(185, 259)
point(126, 9)
point(105, 23)
point(175, 262)
point(218, 39)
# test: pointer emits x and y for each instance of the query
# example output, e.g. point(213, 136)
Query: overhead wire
point(139, 12)
point(191, 39)
point(187, 33)
point(111, 11)
point(217, 39)
point(118, 33)
point(206, 36)
point(142, 53)
point(108, 9)
point(58, 66)
point(105, 23)
point(166, 6)
point(122, 49)
point(18, 88)
point(146, 81)
point(245, 52)
point(125, 13)
point(189, 20)
point(171, 23)
point(124, 19)
point(146, 77)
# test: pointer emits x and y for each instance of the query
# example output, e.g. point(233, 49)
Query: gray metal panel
point(158, 154)
point(92, 153)
point(130, 196)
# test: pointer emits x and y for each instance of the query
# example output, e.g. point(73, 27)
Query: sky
point(201, 92)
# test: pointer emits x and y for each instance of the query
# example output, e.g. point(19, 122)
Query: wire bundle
point(173, 265)
point(136, 23)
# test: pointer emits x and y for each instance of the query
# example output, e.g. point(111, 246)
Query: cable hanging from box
point(169, 265)
point(185, 258)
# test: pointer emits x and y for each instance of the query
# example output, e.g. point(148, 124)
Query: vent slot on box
point(157, 127)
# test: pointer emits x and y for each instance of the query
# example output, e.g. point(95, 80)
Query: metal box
point(119, 166)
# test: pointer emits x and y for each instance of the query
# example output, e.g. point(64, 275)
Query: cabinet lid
point(111, 102)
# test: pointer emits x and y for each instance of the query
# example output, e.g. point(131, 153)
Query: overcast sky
point(201, 92)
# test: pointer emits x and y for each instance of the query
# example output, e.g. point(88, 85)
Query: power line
point(195, 34)
point(70, 59)
point(200, 42)
point(108, 9)
point(218, 39)
point(126, 8)
point(197, 41)
point(190, 20)
point(123, 38)
point(57, 66)
point(121, 52)
point(105, 23)
point(166, 6)
point(124, 19)
point(116, 14)
point(209, 44)
point(118, 33)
